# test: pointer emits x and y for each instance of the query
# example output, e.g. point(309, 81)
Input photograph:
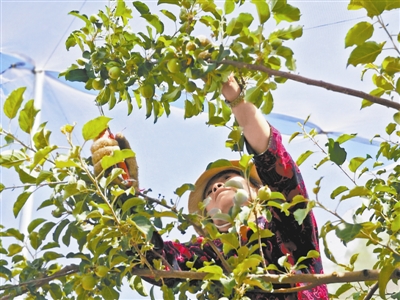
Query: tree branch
point(310, 280)
point(372, 291)
point(335, 277)
point(23, 287)
point(319, 83)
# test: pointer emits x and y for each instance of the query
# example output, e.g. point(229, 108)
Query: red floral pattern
point(276, 169)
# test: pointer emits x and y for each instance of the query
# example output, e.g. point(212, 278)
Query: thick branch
point(310, 280)
point(335, 277)
point(323, 84)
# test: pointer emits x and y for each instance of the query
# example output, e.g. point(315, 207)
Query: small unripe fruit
point(56, 213)
point(204, 55)
point(101, 271)
point(94, 18)
point(191, 46)
point(241, 197)
point(264, 193)
point(234, 183)
point(204, 41)
point(173, 66)
point(190, 86)
point(114, 72)
point(88, 282)
point(147, 90)
point(98, 84)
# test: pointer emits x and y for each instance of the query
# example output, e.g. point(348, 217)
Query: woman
point(274, 167)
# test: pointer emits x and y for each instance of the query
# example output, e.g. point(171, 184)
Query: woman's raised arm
point(255, 128)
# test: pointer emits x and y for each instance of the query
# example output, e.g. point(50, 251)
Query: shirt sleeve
point(277, 169)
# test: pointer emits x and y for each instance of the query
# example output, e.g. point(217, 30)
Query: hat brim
point(196, 196)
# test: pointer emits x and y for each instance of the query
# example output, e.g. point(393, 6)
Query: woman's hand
point(255, 128)
point(231, 89)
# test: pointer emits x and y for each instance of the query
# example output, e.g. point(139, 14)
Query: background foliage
point(150, 70)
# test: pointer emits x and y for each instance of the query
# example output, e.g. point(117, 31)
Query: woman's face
point(221, 197)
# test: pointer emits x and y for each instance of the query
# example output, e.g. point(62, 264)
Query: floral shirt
point(276, 169)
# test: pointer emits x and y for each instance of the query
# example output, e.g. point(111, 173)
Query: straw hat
point(196, 196)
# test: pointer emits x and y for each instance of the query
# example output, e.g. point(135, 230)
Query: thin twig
point(22, 288)
point(372, 291)
point(319, 83)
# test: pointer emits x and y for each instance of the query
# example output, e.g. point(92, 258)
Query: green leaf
point(14, 233)
point(59, 229)
point(123, 11)
point(40, 156)
point(356, 162)
point(336, 153)
point(183, 188)
point(93, 128)
point(301, 213)
point(396, 117)
point(214, 272)
point(107, 292)
point(287, 13)
point(259, 282)
point(155, 22)
point(347, 232)
point(345, 137)
point(79, 75)
point(289, 33)
point(133, 202)
point(167, 293)
point(338, 191)
point(116, 157)
point(44, 230)
point(13, 102)
point(82, 17)
point(358, 191)
point(386, 189)
point(229, 6)
point(5, 273)
point(25, 175)
point(303, 157)
point(354, 5)
point(391, 65)
point(169, 14)
point(392, 5)
point(141, 7)
point(358, 34)
point(41, 137)
point(342, 289)
point(144, 225)
point(32, 225)
point(268, 103)
point(21, 200)
point(168, 2)
point(51, 255)
point(277, 5)
point(384, 276)
point(14, 249)
point(264, 233)
point(262, 10)
point(254, 94)
point(375, 7)
point(365, 53)
point(235, 26)
point(139, 286)
point(395, 226)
